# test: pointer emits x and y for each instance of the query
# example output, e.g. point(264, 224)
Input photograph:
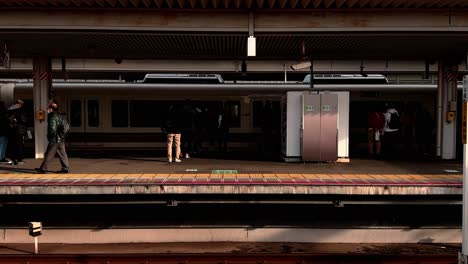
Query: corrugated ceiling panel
point(236, 4)
point(206, 46)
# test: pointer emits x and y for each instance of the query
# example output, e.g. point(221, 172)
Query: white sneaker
point(177, 160)
point(169, 160)
point(187, 156)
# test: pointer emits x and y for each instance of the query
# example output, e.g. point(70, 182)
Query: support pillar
point(446, 111)
point(42, 75)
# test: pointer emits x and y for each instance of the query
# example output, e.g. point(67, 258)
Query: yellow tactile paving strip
point(232, 179)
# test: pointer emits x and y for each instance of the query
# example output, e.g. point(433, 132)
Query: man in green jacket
point(56, 138)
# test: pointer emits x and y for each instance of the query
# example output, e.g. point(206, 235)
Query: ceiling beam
point(101, 3)
point(328, 3)
point(351, 3)
point(77, 3)
point(397, 3)
point(215, 3)
point(374, 3)
point(454, 3)
point(53, 2)
point(293, 3)
point(66, 2)
point(385, 3)
point(124, 3)
point(147, 3)
point(409, 3)
point(29, 2)
point(181, 3)
point(362, 3)
point(305, 3)
point(271, 3)
point(112, 2)
point(433, 3)
point(339, 3)
point(135, 3)
point(424, 3)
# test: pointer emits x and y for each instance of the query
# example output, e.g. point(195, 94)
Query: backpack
point(12, 121)
point(394, 121)
point(63, 127)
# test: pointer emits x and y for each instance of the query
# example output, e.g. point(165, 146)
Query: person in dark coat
point(4, 127)
point(16, 132)
point(56, 139)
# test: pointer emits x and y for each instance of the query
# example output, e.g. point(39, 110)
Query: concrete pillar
point(42, 75)
point(446, 104)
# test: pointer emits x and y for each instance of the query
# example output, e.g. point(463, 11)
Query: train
point(129, 115)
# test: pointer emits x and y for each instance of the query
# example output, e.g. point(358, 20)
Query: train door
point(85, 114)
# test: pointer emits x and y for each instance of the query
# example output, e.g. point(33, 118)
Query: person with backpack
point(57, 128)
point(391, 131)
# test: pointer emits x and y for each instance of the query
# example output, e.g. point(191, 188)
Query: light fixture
point(301, 65)
point(251, 46)
point(251, 42)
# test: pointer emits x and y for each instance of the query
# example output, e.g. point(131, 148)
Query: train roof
point(182, 78)
point(347, 78)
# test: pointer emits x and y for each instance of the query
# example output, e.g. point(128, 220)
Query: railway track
point(230, 259)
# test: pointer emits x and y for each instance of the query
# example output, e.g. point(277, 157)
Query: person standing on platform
point(173, 129)
point(3, 133)
point(391, 131)
point(16, 132)
point(376, 122)
point(57, 127)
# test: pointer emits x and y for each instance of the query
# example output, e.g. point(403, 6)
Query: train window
point(266, 114)
point(144, 113)
point(233, 108)
point(75, 113)
point(93, 113)
point(29, 112)
point(120, 113)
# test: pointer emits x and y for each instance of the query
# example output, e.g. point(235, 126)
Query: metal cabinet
point(319, 127)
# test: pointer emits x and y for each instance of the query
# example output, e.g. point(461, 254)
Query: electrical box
point(40, 115)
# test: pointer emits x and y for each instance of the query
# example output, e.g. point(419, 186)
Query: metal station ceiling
point(236, 4)
point(144, 45)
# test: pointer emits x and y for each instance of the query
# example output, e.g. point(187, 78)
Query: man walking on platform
point(57, 128)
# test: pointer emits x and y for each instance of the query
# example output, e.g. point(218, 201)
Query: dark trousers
point(15, 147)
point(53, 148)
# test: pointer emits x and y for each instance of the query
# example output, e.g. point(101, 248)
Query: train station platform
point(153, 175)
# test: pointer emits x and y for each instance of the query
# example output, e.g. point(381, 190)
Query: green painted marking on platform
point(224, 172)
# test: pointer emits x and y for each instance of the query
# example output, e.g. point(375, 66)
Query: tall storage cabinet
point(319, 127)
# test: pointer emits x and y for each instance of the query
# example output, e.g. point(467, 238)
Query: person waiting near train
point(56, 131)
point(173, 130)
point(391, 130)
point(16, 132)
point(4, 126)
point(375, 127)
point(188, 129)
